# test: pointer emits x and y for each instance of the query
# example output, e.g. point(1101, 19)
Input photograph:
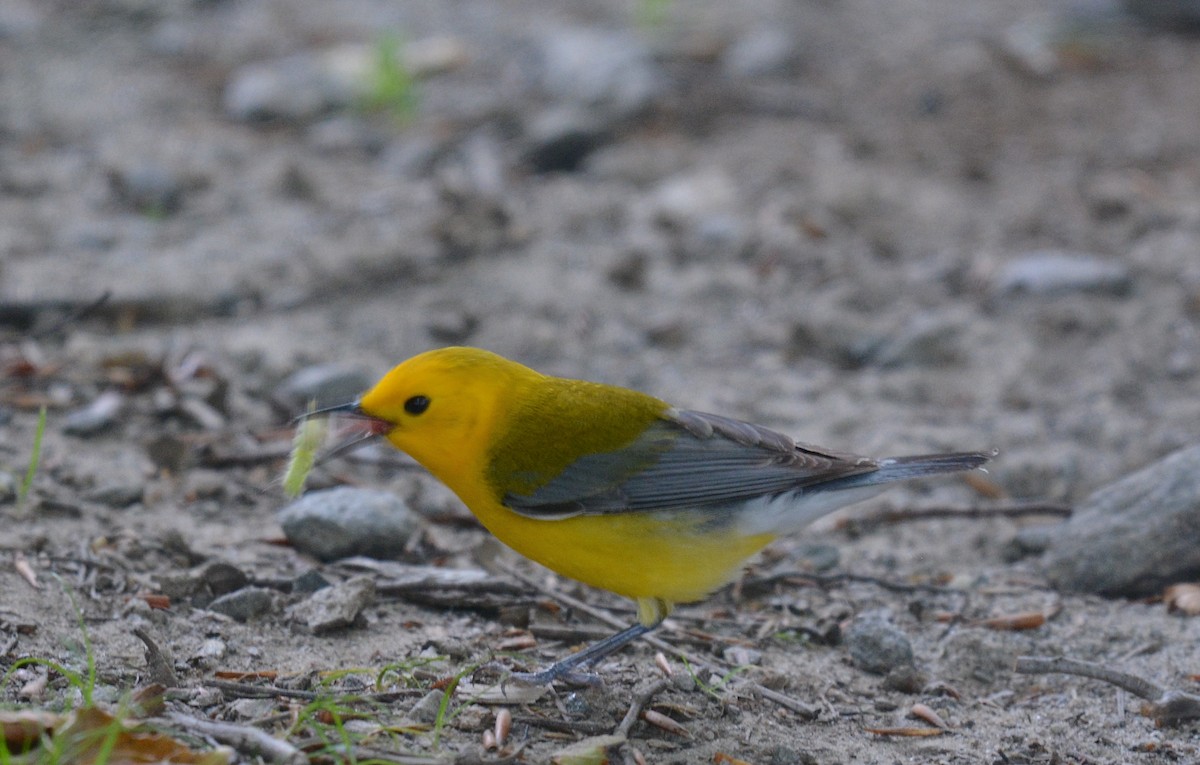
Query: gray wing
point(687, 459)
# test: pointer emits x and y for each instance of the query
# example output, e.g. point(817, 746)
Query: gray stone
point(763, 51)
point(244, 604)
point(1053, 272)
point(877, 645)
point(8, 486)
point(335, 608)
point(293, 88)
point(1133, 536)
point(99, 415)
point(147, 188)
point(559, 139)
point(115, 495)
point(611, 71)
point(338, 523)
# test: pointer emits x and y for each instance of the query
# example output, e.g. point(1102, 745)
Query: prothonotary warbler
point(612, 487)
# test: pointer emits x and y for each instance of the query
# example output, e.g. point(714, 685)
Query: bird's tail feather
point(903, 468)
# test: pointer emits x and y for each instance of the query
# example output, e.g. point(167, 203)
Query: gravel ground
point(891, 229)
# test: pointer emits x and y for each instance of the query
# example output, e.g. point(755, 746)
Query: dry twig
point(249, 741)
point(1166, 706)
point(638, 703)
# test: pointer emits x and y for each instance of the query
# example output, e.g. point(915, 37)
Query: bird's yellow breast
point(672, 556)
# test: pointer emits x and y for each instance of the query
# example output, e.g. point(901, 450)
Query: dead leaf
point(156, 602)
point(596, 750)
point(984, 486)
point(23, 729)
point(1028, 620)
point(926, 713)
point(85, 735)
point(21, 564)
point(659, 720)
point(720, 758)
point(1183, 599)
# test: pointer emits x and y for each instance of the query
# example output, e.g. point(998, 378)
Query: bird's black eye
point(416, 404)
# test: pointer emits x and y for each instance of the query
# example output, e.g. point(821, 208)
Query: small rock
point(335, 608)
point(764, 51)
point(1029, 46)
point(167, 452)
point(878, 646)
point(303, 86)
point(559, 139)
point(906, 679)
point(341, 522)
point(612, 72)
point(204, 484)
point(452, 325)
point(203, 583)
point(741, 656)
point(211, 652)
point(244, 604)
point(295, 88)
point(252, 709)
point(346, 133)
point(115, 495)
point(309, 582)
point(1052, 272)
point(1134, 536)
point(100, 415)
point(326, 384)
point(147, 188)
point(8, 486)
point(427, 707)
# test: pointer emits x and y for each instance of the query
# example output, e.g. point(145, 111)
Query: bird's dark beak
point(361, 429)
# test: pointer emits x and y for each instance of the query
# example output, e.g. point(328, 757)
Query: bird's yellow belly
point(675, 556)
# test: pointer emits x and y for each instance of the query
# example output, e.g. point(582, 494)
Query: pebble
point(115, 495)
point(309, 582)
point(1133, 536)
point(346, 133)
point(167, 451)
point(560, 138)
point(147, 188)
point(101, 414)
point(211, 652)
point(202, 584)
point(761, 52)
point(1054, 272)
point(741, 656)
point(325, 384)
point(335, 608)
point(610, 71)
point(244, 604)
point(304, 86)
point(8, 486)
point(878, 646)
point(295, 88)
point(427, 707)
point(338, 523)
point(252, 709)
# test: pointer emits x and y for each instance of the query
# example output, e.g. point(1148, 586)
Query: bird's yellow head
point(442, 407)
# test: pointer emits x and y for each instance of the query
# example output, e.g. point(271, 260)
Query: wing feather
point(687, 459)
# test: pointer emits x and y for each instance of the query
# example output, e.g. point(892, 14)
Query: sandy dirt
point(888, 228)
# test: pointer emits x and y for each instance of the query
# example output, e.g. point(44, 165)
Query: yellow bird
point(612, 487)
